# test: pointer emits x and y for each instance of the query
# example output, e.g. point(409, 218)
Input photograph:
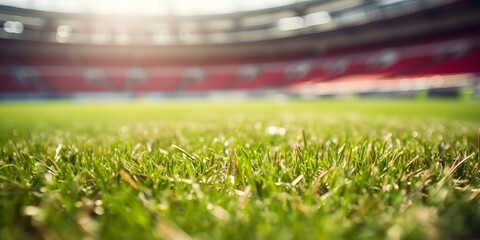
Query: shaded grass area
point(377, 169)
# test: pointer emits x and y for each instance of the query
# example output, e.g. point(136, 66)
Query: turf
point(378, 169)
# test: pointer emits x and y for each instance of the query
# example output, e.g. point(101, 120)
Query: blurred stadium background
point(163, 49)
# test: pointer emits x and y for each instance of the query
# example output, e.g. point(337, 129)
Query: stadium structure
point(302, 48)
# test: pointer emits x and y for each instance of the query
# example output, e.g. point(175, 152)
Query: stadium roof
point(148, 7)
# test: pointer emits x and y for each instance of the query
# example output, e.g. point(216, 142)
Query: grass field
point(369, 169)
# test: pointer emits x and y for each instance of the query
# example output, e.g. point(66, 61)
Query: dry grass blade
point(457, 165)
point(53, 163)
point(475, 194)
point(244, 195)
point(127, 178)
point(413, 160)
point(297, 180)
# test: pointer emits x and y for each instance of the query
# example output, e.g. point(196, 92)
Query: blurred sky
point(147, 7)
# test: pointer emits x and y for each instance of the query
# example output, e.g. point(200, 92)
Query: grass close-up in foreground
point(370, 169)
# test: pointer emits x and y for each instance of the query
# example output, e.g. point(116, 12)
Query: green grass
point(357, 169)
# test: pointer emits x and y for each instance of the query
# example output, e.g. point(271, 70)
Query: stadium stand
point(39, 66)
point(11, 84)
point(63, 77)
